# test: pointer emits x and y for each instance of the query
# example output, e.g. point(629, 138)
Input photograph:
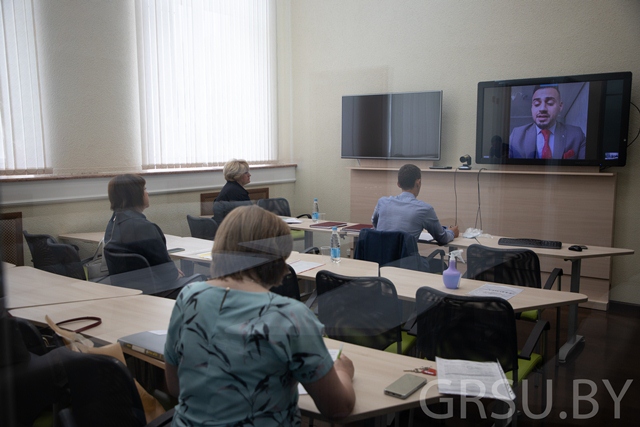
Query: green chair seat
point(525, 367)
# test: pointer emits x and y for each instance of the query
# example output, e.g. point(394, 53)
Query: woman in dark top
point(236, 172)
point(130, 231)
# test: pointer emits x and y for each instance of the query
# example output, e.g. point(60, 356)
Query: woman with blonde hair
point(235, 352)
point(236, 173)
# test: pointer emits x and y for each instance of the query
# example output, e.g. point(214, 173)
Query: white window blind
point(207, 81)
point(22, 142)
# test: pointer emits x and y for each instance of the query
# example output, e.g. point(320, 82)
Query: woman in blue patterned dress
point(235, 352)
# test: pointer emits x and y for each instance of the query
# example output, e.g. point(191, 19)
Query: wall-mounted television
point(566, 121)
point(392, 126)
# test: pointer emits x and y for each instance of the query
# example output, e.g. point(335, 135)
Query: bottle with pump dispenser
point(451, 276)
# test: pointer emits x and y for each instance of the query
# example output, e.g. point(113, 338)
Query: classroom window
point(22, 143)
point(207, 81)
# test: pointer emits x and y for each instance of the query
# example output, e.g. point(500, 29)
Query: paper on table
point(425, 236)
point(467, 378)
point(334, 355)
point(292, 220)
point(300, 266)
point(205, 255)
point(487, 290)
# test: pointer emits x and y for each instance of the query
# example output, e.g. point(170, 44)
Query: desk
point(564, 253)
point(128, 315)
point(346, 266)
point(407, 283)
point(28, 286)
point(306, 224)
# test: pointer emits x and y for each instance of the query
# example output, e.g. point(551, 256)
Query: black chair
point(202, 228)
point(222, 209)
point(289, 286)
point(396, 249)
point(513, 266)
point(279, 206)
point(131, 270)
point(363, 311)
point(59, 258)
point(481, 329)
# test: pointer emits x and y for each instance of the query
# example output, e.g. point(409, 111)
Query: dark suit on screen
point(570, 142)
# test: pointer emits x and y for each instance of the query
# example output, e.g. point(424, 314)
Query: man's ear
point(398, 184)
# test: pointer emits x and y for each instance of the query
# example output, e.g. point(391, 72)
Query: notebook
point(357, 227)
point(328, 224)
point(150, 343)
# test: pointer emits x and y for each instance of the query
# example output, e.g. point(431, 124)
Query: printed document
point(467, 378)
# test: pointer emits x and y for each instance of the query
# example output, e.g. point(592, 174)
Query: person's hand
point(344, 364)
point(455, 230)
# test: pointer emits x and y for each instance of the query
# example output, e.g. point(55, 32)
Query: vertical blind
point(207, 81)
point(21, 141)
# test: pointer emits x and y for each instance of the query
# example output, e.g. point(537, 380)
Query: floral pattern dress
point(240, 356)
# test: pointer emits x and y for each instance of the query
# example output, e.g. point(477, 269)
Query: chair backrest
point(102, 390)
point(129, 270)
point(360, 310)
point(388, 248)
point(11, 247)
point(222, 209)
point(289, 287)
point(202, 228)
point(58, 258)
point(277, 205)
point(513, 266)
point(473, 328)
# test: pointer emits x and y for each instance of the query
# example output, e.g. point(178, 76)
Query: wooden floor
point(608, 356)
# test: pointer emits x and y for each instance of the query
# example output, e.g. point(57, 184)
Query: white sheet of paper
point(334, 355)
point(292, 220)
point(425, 237)
point(467, 378)
point(300, 266)
point(487, 290)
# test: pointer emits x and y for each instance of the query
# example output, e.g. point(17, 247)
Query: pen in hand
point(340, 351)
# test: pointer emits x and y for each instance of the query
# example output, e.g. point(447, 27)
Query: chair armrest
point(312, 250)
point(534, 337)
point(555, 274)
point(304, 216)
point(163, 420)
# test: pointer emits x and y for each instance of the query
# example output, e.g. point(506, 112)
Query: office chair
point(222, 209)
point(289, 286)
point(396, 249)
point(280, 206)
point(131, 270)
point(58, 258)
point(363, 311)
point(513, 266)
point(481, 329)
point(202, 228)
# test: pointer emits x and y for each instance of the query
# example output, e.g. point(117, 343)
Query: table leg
point(308, 239)
point(573, 339)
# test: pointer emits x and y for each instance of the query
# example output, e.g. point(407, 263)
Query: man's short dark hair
point(408, 175)
point(126, 192)
point(550, 86)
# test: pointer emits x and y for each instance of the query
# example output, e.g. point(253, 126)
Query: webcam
point(466, 162)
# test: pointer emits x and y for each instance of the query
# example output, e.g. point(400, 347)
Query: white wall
point(370, 46)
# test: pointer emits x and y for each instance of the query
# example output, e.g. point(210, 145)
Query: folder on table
point(328, 224)
point(150, 343)
point(357, 227)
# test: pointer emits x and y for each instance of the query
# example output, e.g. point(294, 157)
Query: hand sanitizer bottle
point(451, 276)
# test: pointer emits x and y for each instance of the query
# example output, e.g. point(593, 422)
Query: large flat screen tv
point(392, 126)
point(586, 118)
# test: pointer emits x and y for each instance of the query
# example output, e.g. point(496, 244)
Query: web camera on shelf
point(466, 162)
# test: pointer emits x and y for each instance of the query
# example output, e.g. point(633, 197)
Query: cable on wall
point(479, 211)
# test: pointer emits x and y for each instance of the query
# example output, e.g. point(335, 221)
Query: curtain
point(21, 134)
point(207, 73)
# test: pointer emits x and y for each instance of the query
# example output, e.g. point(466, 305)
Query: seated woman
point(129, 231)
point(236, 173)
point(235, 352)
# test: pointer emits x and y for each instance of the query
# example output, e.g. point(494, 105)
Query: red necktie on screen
point(546, 150)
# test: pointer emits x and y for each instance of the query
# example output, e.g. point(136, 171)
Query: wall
point(364, 46)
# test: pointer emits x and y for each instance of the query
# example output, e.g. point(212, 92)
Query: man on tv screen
point(546, 138)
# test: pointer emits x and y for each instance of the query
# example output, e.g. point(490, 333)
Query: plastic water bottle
point(315, 212)
point(335, 245)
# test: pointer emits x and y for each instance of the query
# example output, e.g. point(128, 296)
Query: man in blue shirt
point(406, 213)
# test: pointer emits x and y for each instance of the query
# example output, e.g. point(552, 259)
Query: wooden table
point(374, 369)
point(28, 287)
point(346, 266)
point(564, 253)
point(306, 226)
point(407, 283)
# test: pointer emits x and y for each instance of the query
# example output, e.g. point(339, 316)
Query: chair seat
point(408, 344)
point(530, 315)
point(525, 367)
point(297, 234)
